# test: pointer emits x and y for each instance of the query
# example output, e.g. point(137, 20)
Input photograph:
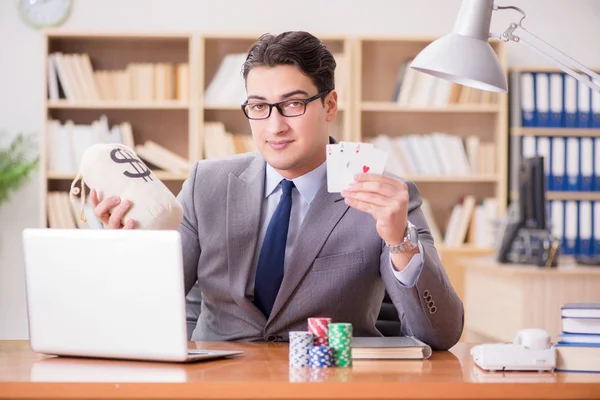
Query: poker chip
point(299, 374)
point(340, 341)
point(321, 357)
point(319, 328)
point(300, 344)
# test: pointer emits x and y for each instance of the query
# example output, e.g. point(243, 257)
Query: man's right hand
point(111, 211)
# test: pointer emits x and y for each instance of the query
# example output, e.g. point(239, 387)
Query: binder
point(587, 164)
point(528, 114)
point(543, 149)
point(556, 100)
point(570, 106)
point(571, 226)
point(595, 108)
point(572, 160)
point(557, 221)
point(583, 105)
point(528, 146)
point(585, 228)
point(557, 167)
point(542, 99)
point(596, 174)
point(596, 227)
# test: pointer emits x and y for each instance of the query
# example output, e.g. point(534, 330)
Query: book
point(578, 338)
point(390, 348)
point(581, 310)
point(577, 357)
point(581, 325)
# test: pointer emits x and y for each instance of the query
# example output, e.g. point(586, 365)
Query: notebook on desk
point(104, 293)
point(389, 348)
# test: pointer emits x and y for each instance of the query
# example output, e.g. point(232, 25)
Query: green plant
point(16, 164)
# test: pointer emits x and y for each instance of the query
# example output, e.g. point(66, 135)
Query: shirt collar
point(308, 184)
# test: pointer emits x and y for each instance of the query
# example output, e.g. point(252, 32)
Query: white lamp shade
point(465, 60)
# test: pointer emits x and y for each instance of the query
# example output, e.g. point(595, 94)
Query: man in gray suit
point(266, 246)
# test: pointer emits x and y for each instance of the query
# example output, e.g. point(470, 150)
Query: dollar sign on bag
point(141, 171)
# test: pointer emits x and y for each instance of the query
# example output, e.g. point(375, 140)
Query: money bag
point(113, 169)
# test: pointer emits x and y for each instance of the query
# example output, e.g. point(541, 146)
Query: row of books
point(72, 77)
point(577, 224)
point(64, 213)
point(578, 348)
point(67, 142)
point(470, 222)
point(570, 163)
point(227, 86)
point(437, 154)
point(218, 142)
point(553, 100)
point(415, 88)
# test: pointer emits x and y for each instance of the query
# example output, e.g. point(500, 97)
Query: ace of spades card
point(346, 159)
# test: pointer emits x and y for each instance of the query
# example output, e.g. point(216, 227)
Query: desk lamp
point(465, 56)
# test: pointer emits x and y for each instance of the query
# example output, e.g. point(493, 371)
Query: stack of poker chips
point(340, 341)
point(324, 345)
point(300, 344)
point(319, 327)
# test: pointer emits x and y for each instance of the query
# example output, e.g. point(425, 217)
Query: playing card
point(346, 159)
point(335, 162)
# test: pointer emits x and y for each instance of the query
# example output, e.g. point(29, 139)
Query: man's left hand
point(386, 199)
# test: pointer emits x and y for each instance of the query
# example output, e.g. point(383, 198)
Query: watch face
point(45, 13)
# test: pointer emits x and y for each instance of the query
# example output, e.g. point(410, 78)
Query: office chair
point(388, 321)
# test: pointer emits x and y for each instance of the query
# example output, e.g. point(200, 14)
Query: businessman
point(266, 246)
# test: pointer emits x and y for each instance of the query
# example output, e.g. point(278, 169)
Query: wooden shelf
point(555, 132)
point(453, 179)
point(453, 108)
point(237, 107)
point(160, 174)
point(466, 249)
point(122, 105)
point(591, 196)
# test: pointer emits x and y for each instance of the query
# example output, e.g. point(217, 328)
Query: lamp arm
point(557, 57)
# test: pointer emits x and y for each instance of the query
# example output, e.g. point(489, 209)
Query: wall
point(569, 26)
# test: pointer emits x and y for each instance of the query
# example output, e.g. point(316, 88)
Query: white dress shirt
point(307, 187)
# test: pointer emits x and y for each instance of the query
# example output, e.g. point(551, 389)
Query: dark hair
point(297, 48)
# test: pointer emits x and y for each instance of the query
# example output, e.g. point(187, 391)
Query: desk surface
point(263, 372)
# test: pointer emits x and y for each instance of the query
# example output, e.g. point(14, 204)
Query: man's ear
point(331, 106)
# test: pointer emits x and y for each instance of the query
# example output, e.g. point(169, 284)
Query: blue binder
point(557, 167)
point(528, 110)
point(557, 100)
point(570, 105)
point(542, 99)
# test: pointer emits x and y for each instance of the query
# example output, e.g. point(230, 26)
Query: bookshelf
point(554, 116)
point(220, 100)
point(96, 84)
point(204, 108)
point(404, 107)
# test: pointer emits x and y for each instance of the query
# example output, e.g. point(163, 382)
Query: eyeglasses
point(287, 108)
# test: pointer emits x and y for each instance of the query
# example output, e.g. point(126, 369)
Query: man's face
point(291, 145)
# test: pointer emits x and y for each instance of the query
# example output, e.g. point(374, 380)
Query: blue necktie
point(269, 271)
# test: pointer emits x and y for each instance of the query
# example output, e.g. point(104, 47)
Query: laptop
point(107, 293)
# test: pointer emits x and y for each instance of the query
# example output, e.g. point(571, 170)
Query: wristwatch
point(410, 242)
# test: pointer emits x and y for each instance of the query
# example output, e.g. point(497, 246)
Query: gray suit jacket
point(339, 266)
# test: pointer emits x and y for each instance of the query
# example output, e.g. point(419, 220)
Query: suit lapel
point(244, 199)
point(322, 216)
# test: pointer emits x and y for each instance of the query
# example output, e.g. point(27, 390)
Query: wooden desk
point(501, 299)
point(263, 373)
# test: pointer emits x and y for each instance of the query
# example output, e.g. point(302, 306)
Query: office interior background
point(572, 26)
